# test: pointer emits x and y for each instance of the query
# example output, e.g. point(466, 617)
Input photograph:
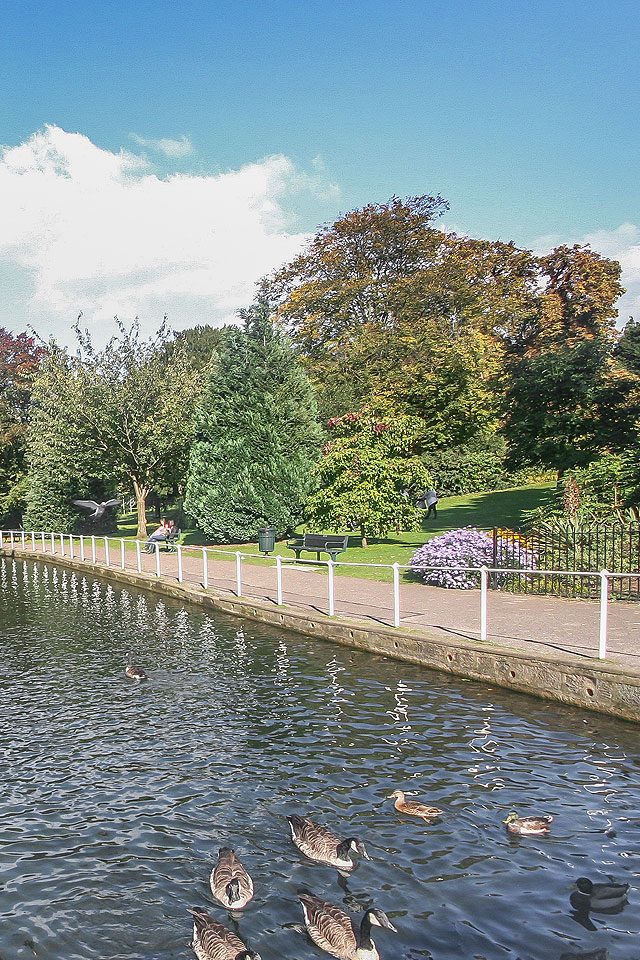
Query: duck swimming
point(212, 941)
point(230, 883)
point(412, 808)
point(598, 896)
point(320, 844)
point(334, 931)
point(133, 672)
point(527, 826)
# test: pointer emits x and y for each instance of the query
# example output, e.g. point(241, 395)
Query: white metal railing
point(67, 548)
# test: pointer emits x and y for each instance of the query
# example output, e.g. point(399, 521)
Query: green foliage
point(606, 489)
point(122, 415)
point(469, 468)
point(627, 350)
point(256, 436)
point(369, 475)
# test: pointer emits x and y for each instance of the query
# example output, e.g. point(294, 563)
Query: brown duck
point(320, 844)
point(230, 883)
point(412, 808)
point(334, 932)
point(212, 941)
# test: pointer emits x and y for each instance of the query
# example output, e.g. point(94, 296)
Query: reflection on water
point(116, 796)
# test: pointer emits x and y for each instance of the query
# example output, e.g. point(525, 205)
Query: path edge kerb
point(577, 681)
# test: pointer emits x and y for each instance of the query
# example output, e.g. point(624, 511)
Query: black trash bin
point(266, 539)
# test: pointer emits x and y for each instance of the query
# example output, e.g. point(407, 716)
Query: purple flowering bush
point(466, 547)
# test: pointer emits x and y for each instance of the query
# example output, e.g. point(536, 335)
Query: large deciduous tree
point(559, 395)
point(256, 435)
point(121, 415)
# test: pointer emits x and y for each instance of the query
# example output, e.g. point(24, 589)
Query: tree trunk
point(365, 542)
point(141, 500)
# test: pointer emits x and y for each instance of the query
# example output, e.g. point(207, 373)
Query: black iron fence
point(566, 548)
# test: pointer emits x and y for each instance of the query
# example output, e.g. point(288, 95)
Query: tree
point(119, 415)
point(627, 350)
point(256, 435)
point(558, 361)
point(385, 307)
point(20, 357)
point(369, 475)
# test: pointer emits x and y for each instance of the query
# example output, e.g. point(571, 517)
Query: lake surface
point(116, 796)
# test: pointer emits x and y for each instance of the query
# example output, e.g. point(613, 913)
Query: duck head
point(355, 845)
point(378, 918)
point(396, 795)
point(233, 890)
point(512, 816)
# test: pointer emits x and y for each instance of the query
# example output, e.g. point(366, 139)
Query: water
point(116, 796)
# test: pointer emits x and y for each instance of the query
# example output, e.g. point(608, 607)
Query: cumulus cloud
point(170, 148)
point(93, 230)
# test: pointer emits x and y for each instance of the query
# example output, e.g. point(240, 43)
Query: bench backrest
point(318, 541)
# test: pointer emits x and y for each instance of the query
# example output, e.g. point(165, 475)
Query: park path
point(555, 626)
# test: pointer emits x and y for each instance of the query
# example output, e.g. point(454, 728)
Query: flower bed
point(463, 548)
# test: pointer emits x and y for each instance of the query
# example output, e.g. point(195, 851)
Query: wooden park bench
point(331, 543)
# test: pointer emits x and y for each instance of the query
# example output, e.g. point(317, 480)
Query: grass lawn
point(503, 508)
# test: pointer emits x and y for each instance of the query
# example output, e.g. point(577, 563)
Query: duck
point(412, 808)
point(598, 896)
point(133, 672)
point(212, 941)
point(230, 883)
point(334, 931)
point(320, 844)
point(527, 826)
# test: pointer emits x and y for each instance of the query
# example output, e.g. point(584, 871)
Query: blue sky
point(522, 115)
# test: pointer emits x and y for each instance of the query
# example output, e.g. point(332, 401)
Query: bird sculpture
point(134, 672)
point(334, 932)
point(98, 510)
point(230, 883)
point(212, 941)
point(412, 808)
point(599, 897)
point(320, 844)
point(527, 826)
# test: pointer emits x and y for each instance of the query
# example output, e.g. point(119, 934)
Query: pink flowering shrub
point(466, 547)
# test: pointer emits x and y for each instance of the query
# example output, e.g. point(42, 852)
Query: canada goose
point(334, 931)
point(527, 826)
point(212, 941)
point(133, 672)
point(412, 807)
point(319, 844)
point(230, 883)
point(598, 896)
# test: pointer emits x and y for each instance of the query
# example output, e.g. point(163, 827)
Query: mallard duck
point(334, 931)
point(230, 883)
point(212, 941)
point(598, 896)
point(527, 826)
point(319, 844)
point(412, 808)
point(133, 672)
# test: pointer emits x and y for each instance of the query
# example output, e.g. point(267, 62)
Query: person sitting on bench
point(159, 535)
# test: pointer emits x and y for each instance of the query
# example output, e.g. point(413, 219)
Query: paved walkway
point(554, 625)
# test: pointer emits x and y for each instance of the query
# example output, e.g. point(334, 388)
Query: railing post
point(11, 538)
point(138, 557)
point(71, 554)
point(157, 546)
point(179, 549)
point(33, 541)
point(44, 549)
point(1, 541)
point(93, 548)
point(279, 580)
point(330, 566)
point(23, 540)
point(205, 570)
point(106, 551)
point(604, 596)
point(53, 543)
point(238, 574)
point(484, 578)
point(122, 562)
point(396, 595)
point(82, 556)
point(62, 544)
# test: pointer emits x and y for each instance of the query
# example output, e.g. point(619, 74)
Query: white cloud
point(92, 230)
point(170, 148)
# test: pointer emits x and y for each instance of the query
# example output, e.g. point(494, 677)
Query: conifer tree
point(256, 436)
